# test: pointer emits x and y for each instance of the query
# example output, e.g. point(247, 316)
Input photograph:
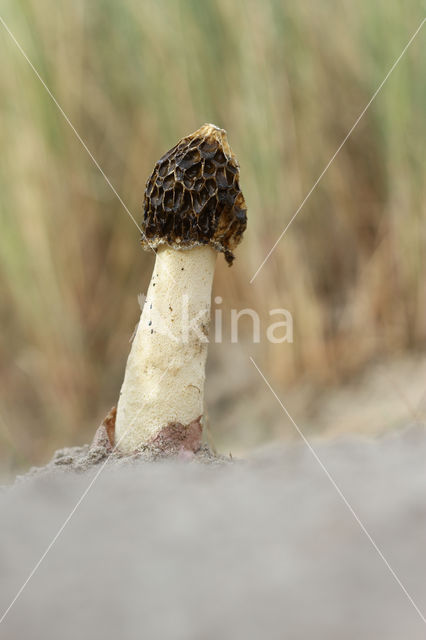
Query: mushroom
point(193, 208)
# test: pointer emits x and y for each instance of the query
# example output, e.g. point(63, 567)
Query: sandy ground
point(188, 549)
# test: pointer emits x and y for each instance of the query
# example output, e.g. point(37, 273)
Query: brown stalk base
point(175, 439)
point(105, 433)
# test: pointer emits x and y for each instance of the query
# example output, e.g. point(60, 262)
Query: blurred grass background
point(287, 80)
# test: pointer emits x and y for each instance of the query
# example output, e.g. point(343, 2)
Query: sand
point(200, 547)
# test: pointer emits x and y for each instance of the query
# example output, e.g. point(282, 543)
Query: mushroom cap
point(193, 196)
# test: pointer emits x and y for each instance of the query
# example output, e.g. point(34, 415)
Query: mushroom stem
point(162, 396)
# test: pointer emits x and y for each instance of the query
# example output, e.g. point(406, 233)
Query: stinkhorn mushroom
point(193, 208)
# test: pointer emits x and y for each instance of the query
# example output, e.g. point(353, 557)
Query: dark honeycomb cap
point(193, 196)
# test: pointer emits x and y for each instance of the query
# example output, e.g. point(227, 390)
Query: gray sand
point(185, 550)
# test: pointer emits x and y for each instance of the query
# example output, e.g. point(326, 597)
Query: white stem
point(165, 373)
